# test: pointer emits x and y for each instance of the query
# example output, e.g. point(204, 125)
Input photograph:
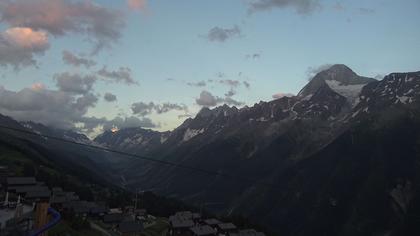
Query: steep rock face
point(339, 78)
point(132, 139)
point(395, 90)
point(54, 132)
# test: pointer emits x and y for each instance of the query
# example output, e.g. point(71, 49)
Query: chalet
point(38, 195)
point(184, 215)
point(212, 222)
point(130, 228)
point(113, 218)
point(196, 217)
point(249, 232)
point(20, 181)
point(203, 230)
point(180, 226)
point(98, 211)
point(227, 228)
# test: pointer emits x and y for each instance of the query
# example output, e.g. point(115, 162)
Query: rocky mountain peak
point(341, 79)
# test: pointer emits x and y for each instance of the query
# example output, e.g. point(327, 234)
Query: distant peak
point(204, 112)
point(338, 73)
point(340, 68)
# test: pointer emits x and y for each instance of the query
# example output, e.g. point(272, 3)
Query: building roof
point(250, 232)
point(212, 221)
point(21, 181)
point(113, 218)
point(227, 226)
point(130, 227)
point(30, 188)
point(203, 230)
point(184, 214)
point(181, 223)
point(57, 190)
point(44, 194)
point(196, 216)
point(99, 210)
point(58, 199)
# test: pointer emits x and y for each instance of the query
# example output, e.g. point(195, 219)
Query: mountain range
point(340, 158)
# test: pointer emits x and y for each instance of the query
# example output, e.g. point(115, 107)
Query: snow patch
point(163, 139)
point(191, 133)
point(351, 92)
point(402, 99)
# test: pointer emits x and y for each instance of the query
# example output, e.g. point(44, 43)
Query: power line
point(161, 162)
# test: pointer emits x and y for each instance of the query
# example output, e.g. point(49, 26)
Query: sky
point(95, 65)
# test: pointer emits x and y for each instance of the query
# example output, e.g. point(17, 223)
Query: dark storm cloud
point(71, 59)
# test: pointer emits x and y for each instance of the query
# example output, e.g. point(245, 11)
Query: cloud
point(379, 76)
point(280, 95)
point(231, 101)
point(74, 83)
point(166, 107)
point(230, 93)
point(197, 84)
point(61, 109)
point(207, 99)
point(312, 71)
point(365, 11)
point(137, 5)
point(229, 82)
point(19, 45)
point(143, 109)
point(338, 6)
point(100, 25)
point(302, 7)
point(109, 97)
point(71, 59)
point(253, 56)
point(50, 107)
point(128, 122)
point(218, 34)
point(122, 75)
point(38, 86)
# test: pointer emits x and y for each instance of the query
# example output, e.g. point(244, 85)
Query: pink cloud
point(280, 95)
point(26, 37)
point(38, 86)
point(137, 4)
point(60, 17)
point(19, 45)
